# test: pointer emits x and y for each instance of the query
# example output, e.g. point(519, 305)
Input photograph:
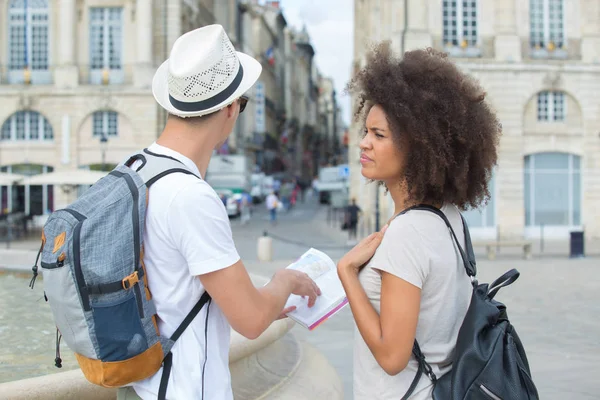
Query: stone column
point(66, 74)
point(507, 45)
point(418, 34)
point(143, 71)
point(590, 42)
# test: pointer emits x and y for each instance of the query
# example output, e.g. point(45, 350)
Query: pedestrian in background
point(245, 208)
point(272, 203)
point(314, 187)
point(352, 214)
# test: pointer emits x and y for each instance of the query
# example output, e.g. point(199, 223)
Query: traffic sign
point(344, 171)
point(259, 113)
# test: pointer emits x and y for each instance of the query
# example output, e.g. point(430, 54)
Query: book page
point(321, 268)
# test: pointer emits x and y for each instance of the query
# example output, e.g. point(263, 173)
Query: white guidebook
point(321, 268)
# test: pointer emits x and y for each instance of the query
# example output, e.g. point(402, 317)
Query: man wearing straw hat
point(187, 241)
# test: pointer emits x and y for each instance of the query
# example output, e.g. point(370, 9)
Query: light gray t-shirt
point(418, 248)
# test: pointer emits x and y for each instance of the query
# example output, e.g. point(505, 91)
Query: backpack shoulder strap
point(168, 360)
point(156, 166)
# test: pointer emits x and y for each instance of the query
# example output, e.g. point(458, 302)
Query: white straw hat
point(203, 74)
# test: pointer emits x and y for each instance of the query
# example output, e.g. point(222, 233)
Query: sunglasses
point(243, 103)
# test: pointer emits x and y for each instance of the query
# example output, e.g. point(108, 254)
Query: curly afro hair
point(438, 117)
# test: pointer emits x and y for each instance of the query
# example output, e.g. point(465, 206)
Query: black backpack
point(489, 360)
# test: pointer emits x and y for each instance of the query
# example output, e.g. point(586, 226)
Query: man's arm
point(251, 310)
point(203, 236)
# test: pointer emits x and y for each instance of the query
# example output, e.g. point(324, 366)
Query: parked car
point(231, 205)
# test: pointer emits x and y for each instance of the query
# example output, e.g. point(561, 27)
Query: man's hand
point(251, 310)
point(301, 284)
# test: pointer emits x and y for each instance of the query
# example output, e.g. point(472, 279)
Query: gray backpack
point(95, 280)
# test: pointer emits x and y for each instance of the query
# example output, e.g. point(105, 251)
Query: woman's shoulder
point(422, 221)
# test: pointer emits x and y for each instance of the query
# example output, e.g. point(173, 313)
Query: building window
point(552, 189)
point(26, 125)
point(460, 23)
point(106, 44)
point(551, 106)
point(485, 216)
point(547, 33)
point(105, 124)
point(28, 41)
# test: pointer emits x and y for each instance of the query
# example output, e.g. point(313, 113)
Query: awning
point(65, 177)
point(7, 179)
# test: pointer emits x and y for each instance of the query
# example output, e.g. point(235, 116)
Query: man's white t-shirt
point(418, 248)
point(188, 234)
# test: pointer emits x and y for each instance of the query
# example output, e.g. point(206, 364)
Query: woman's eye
point(379, 136)
point(364, 132)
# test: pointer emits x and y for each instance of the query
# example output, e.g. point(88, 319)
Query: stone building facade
point(538, 61)
point(75, 81)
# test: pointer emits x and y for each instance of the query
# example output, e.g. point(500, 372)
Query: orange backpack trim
point(118, 373)
point(59, 241)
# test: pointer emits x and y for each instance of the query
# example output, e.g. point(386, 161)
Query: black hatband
point(213, 101)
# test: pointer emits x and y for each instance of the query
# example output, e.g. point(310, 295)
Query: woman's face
point(380, 158)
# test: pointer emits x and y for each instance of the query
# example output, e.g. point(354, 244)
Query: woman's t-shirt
point(418, 248)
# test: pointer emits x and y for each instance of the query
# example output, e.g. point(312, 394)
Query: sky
point(330, 24)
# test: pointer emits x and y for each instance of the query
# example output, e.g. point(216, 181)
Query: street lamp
point(103, 145)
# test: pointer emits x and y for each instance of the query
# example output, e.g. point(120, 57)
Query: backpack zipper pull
point(58, 360)
point(35, 267)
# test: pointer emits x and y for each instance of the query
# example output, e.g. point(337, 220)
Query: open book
point(323, 271)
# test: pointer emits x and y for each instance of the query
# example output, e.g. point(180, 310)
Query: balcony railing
point(86, 76)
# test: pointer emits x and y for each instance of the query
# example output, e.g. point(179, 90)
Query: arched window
point(551, 106)
point(28, 31)
point(26, 125)
point(552, 189)
point(106, 124)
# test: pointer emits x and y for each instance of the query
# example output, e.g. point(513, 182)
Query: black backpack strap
point(471, 270)
point(168, 361)
point(505, 280)
point(424, 367)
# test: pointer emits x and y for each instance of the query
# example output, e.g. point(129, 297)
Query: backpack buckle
point(130, 280)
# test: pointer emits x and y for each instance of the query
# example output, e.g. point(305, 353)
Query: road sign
point(344, 171)
point(259, 113)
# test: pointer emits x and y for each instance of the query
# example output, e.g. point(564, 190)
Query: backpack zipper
point(489, 393)
point(58, 360)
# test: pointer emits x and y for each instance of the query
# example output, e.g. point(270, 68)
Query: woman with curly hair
point(431, 139)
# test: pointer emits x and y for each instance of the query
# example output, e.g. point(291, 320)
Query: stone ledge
point(273, 366)
point(283, 368)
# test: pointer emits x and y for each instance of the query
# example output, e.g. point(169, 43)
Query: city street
point(553, 306)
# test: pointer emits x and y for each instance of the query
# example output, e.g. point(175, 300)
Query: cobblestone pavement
point(554, 306)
